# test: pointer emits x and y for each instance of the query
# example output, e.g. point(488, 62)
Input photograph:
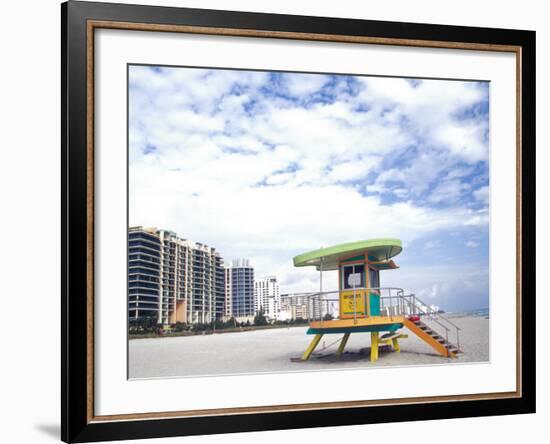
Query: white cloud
point(430, 112)
point(304, 85)
point(353, 169)
point(452, 287)
point(482, 194)
point(448, 191)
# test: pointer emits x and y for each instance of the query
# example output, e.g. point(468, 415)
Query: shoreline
point(131, 337)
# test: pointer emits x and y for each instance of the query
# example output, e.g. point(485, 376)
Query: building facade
point(295, 308)
point(267, 297)
point(239, 295)
point(298, 307)
point(144, 262)
point(189, 285)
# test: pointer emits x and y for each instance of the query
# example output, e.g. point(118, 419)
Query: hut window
point(353, 276)
point(374, 278)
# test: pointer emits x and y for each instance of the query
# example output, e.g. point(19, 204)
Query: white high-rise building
point(267, 297)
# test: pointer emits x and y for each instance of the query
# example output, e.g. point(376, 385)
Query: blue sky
point(267, 165)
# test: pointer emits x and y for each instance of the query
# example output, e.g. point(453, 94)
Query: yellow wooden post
point(374, 346)
point(342, 345)
point(395, 343)
point(311, 347)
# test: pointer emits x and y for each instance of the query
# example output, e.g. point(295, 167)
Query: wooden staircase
point(431, 337)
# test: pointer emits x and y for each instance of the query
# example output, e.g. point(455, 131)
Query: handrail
point(401, 303)
point(313, 294)
point(417, 303)
point(435, 316)
point(439, 314)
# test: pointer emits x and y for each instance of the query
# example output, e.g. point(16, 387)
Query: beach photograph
point(294, 222)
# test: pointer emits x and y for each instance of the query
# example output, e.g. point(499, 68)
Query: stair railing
point(448, 321)
point(418, 306)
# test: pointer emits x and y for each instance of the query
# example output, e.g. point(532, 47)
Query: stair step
point(437, 337)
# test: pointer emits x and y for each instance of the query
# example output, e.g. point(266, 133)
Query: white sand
point(270, 350)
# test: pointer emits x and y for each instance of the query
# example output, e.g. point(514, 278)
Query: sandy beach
point(271, 350)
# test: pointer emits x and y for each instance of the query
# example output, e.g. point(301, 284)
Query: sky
point(268, 165)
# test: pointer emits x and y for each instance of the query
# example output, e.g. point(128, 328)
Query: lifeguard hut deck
point(365, 306)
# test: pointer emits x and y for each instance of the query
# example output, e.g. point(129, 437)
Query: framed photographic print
point(275, 221)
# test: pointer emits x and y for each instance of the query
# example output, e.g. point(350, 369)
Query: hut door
point(374, 292)
point(352, 291)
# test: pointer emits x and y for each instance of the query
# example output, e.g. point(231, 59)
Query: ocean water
point(482, 312)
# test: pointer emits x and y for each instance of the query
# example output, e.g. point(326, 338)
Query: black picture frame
point(77, 425)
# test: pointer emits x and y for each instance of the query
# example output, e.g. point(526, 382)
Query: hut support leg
point(395, 343)
point(342, 345)
point(311, 347)
point(374, 337)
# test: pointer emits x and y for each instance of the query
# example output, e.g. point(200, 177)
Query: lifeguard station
point(365, 306)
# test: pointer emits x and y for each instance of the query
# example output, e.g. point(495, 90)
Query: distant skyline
point(265, 166)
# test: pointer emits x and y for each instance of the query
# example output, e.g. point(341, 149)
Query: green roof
point(379, 249)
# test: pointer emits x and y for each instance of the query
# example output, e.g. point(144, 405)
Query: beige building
point(294, 307)
point(174, 279)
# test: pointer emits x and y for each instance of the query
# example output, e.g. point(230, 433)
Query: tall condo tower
point(239, 296)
